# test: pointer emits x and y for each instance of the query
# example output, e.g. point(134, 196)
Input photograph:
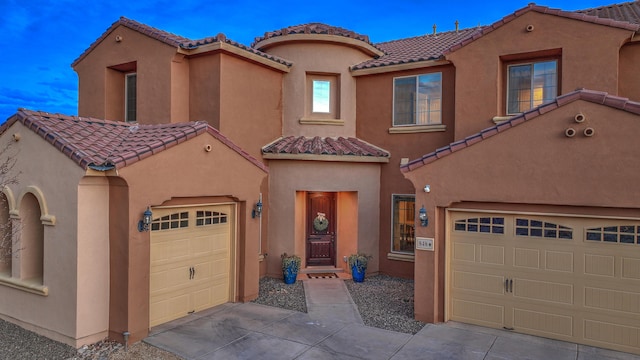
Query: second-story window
point(130, 97)
point(530, 85)
point(323, 96)
point(417, 100)
point(321, 102)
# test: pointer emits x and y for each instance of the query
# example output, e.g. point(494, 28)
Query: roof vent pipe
point(457, 25)
point(434, 28)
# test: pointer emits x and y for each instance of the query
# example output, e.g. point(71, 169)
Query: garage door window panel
point(542, 229)
point(626, 234)
point(486, 225)
point(171, 221)
point(204, 218)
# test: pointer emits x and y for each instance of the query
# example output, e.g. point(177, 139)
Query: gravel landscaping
point(384, 302)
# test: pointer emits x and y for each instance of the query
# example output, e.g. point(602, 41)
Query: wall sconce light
point(422, 215)
point(143, 225)
point(257, 210)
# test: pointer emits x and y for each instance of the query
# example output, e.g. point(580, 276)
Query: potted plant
point(358, 264)
point(290, 267)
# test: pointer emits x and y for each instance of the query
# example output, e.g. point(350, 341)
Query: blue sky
point(41, 38)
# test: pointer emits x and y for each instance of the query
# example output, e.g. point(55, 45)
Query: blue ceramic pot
point(290, 274)
point(358, 276)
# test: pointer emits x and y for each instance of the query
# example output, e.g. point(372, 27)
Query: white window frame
point(429, 111)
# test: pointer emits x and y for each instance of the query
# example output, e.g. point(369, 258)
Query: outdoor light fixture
point(143, 225)
point(422, 215)
point(257, 210)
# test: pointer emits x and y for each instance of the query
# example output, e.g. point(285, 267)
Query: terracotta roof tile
point(312, 28)
point(174, 40)
point(339, 146)
point(415, 49)
point(103, 144)
point(597, 97)
point(627, 12)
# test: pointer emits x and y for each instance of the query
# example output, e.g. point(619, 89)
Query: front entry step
point(321, 269)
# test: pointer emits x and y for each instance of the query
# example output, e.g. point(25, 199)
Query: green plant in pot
point(358, 264)
point(290, 267)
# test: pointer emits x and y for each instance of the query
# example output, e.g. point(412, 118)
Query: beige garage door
point(569, 278)
point(190, 260)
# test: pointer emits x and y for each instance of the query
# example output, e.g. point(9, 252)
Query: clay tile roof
point(301, 145)
point(597, 97)
point(173, 40)
point(104, 145)
point(192, 44)
point(419, 48)
point(628, 11)
point(313, 28)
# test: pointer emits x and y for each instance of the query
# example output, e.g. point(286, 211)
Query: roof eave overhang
point(399, 67)
point(355, 43)
point(328, 158)
point(221, 46)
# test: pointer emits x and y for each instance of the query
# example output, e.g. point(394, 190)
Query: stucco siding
point(166, 177)
point(589, 59)
point(318, 58)
point(100, 96)
point(56, 177)
point(358, 190)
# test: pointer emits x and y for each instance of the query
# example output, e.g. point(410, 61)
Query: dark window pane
point(627, 229)
point(164, 225)
point(550, 225)
point(611, 229)
point(473, 228)
point(485, 228)
point(627, 239)
point(565, 234)
point(610, 237)
point(499, 221)
point(155, 227)
point(522, 222)
point(485, 220)
point(536, 223)
point(594, 236)
point(522, 231)
point(474, 220)
point(460, 226)
point(498, 230)
point(184, 223)
point(550, 233)
point(216, 220)
point(223, 220)
point(199, 222)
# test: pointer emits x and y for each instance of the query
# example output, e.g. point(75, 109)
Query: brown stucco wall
point(70, 313)
point(101, 98)
point(374, 118)
point(251, 103)
point(318, 57)
point(204, 88)
point(589, 60)
point(357, 186)
point(533, 164)
point(166, 176)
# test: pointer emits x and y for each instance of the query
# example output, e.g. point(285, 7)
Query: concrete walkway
point(333, 329)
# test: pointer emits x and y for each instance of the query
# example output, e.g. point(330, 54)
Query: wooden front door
point(321, 229)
